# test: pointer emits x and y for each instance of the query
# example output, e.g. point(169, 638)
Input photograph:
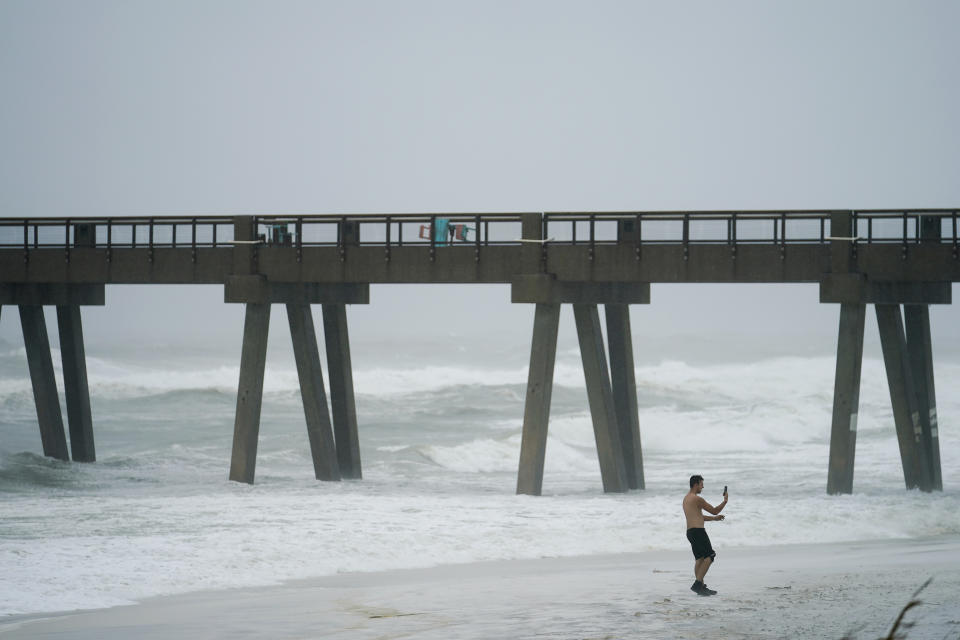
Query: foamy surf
point(440, 447)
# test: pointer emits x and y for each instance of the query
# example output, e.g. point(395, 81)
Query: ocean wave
point(157, 514)
point(777, 381)
point(404, 381)
point(136, 548)
point(26, 471)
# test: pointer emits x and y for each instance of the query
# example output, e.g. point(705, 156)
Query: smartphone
point(724, 489)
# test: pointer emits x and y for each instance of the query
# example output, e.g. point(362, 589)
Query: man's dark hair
point(695, 480)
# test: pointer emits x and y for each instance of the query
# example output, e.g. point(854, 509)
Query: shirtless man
point(693, 506)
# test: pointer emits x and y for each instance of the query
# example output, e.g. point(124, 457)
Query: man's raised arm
point(715, 510)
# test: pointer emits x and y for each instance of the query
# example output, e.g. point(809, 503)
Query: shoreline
point(807, 590)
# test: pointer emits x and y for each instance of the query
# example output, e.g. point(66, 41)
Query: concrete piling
point(536, 415)
point(920, 353)
point(335, 450)
point(342, 401)
point(37, 344)
point(623, 379)
point(902, 394)
point(246, 428)
point(600, 396)
point(322, 446)
point(76, 389)
point(846, 398)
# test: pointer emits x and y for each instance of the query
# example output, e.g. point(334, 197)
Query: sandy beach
point(798, 591)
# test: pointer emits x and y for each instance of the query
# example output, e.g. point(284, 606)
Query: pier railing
point(481, 230)
point(749, 227)
point(117, 232)
point(487, 229)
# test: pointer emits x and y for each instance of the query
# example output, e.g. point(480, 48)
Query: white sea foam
point(140, 548)
point(112, 379)
point(161, 517)
point(402, 381)
point(783, 380)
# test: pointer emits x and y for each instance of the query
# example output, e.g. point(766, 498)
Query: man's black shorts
point(700, 542)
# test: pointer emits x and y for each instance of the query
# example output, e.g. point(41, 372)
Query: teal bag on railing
point(440, 232)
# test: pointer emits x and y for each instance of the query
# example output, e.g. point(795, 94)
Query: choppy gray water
point(440, 437)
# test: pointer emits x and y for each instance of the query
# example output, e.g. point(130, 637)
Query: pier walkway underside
point(900, 261)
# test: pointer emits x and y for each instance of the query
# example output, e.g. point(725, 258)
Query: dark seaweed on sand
point(900, 627)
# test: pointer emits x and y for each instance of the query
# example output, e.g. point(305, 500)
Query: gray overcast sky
point(136, 107)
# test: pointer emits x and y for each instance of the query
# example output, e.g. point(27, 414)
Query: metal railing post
point(783, 236)
point(733, 235)
point(904, 256)
point(386, 251)
point(298, 229)
point(638, 241)
point(854, 232)
point(955, 246)
point(592, 234)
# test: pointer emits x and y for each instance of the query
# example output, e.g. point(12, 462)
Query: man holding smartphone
point(693, 508)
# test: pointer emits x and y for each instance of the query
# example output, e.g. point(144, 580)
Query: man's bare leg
point(700, 568)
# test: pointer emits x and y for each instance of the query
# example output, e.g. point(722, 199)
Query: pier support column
point(846, 398)
point(902, 394)
point(623, 377)
point(600, 396)
point(44, 383)
point(342, 400)
point(75, 385)
point(920, 350)
point(246, 426)
point(536, 414)
point(322, 447)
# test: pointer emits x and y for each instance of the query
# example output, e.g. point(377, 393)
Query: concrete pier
point(246, 428)
point(623, 379)
point(326, 442)
point(902, 394)
point(600, 395)
point(536, 414)
point(342, 401)
point(846, 398)
point(76, 389)
point(887, 258)
point(615, 450)
point(37, 344)
point(322, 446)
point(908, 360)
point(920, 353)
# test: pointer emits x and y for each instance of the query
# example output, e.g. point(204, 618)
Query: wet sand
point(852, 589)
